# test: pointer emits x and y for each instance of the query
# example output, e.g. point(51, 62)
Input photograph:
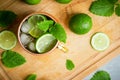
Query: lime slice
point(100, 41)
point(33, 20)
point(8, 40)
point(45, 43)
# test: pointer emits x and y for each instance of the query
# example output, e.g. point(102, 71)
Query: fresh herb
point(69, 64)
point(12, 59)
point(58, 31)
point(45, 25)
point(31, 77)
point(112, 1)
point(117, 10)
point(6, 18)
point(101, 75)
point(103, 7)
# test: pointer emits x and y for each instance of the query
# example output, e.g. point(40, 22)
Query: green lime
point(100, 41)
point(8, 40)
point(32, 2)
point(64, 1)
point(45, 43)
point(33, 20)
point(35, 32)
point(80, 23)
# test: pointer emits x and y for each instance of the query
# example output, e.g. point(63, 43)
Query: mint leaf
point(12, 59)
point(112, 1)
point(69, 64)
point(102, 8)
point(117, 10)
point(31, 77)
point(6, 18)
point(58, 31)
point(44, 25)
point(101, 75)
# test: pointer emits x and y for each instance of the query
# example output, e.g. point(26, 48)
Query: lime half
point(8, 40)
point(100, 41)
point(45, 43)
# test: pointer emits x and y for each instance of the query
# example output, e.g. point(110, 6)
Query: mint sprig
point(31, 77)
point(101, 75)
point(103, 7)
point(117, 10)
point(69, 64)
point(112, 1)
point(6, 18)
point(45, 25)
point(58, 31)
point(12, 59)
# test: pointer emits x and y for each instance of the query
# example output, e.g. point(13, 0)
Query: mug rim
point(19, 30)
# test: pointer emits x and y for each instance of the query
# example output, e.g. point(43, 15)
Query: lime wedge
point(8, 40)
point(45, 43)
point(35, 32)
point(33, 20)
point(100, 41)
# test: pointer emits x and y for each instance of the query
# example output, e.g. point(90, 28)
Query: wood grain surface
point(52, 66)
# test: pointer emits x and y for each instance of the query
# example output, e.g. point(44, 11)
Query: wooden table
point(52, 66)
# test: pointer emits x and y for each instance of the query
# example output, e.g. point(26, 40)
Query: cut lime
point(100, 41)
point(80, 23)
point(35, 32)
point(33, 20)
point(8, 40)
point(45, 43)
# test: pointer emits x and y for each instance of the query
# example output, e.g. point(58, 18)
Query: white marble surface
point(112, 67)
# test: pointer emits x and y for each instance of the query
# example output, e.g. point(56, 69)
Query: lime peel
point(80, 23)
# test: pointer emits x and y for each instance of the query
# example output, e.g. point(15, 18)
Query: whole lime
point(64, 1)
point(32, 2)
point(80, 23)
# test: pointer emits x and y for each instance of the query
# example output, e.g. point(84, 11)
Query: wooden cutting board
point(52, 66)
